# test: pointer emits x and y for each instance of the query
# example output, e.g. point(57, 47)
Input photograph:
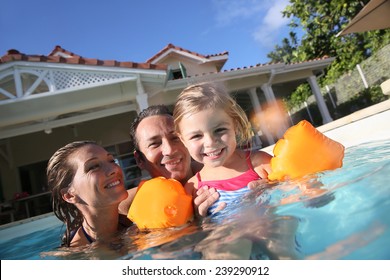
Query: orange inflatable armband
point(161, 203)
point(304, 150)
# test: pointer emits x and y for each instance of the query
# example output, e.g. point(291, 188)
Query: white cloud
point(272, 24)
point(264, 17)
point(232, 11)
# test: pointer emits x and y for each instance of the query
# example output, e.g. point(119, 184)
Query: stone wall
point(376, 69)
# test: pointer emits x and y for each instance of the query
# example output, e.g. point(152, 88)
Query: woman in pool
point(87, 187)
point(213, 126)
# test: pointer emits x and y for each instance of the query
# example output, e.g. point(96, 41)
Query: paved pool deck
point(369, 124)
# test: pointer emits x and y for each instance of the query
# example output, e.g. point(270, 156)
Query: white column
point(326, 118)
point(271, 100)
point(142, 100)
point(142, 97)
point(269, 94)
point(257, 107)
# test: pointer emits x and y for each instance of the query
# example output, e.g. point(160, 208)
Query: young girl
point(213, 126)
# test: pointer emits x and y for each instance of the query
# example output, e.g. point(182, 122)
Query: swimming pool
point(340, 214)
point(23, 240)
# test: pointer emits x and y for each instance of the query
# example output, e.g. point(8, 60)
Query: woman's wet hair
point(60, 174)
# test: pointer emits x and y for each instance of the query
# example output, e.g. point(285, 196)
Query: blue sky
point(126, 30)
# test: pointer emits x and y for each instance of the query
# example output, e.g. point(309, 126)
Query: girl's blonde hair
point(203, 96)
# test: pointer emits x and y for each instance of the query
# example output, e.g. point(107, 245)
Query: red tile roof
point(15, 55)
point(275, 63)
point(60, 49)
point(171, 46)
point(314, 59)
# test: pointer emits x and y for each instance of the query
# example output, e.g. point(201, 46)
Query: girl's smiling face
point(209, 136)
point(98, 181)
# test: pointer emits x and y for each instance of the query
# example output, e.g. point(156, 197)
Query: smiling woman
point(87, 186)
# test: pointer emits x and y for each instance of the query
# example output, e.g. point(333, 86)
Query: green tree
point(321, 21)
point(285, 53)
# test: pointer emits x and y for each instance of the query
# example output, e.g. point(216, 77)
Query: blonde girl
point(213, 126)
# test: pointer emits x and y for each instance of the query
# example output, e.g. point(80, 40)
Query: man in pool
point(158, 150)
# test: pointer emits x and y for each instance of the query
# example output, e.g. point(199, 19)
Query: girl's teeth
point(213, 154)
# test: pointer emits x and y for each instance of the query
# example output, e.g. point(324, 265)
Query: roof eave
point(250, 71)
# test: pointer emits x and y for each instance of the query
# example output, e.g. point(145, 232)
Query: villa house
point(49, 100)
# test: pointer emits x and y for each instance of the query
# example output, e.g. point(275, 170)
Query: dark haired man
point(158, 150)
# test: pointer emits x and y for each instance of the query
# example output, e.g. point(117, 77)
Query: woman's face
point(98, 181)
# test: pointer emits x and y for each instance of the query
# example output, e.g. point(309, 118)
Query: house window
point(179, 73)
point(176, 74)
point(123, 153)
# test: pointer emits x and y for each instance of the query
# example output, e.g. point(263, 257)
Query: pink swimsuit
point(233, 188)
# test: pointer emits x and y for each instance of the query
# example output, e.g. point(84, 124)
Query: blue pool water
point(339, 214)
